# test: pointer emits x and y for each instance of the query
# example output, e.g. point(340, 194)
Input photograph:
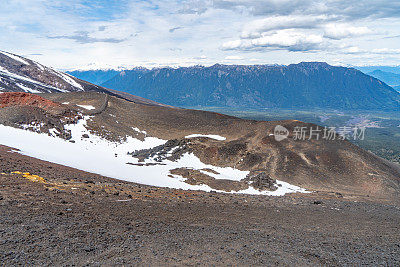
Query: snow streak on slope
point(27, 89)
point(5, 72)
point(68, 79)
point(97, 155)
point(88, 107)
point(212, 136)
point(16, 58)
point(37, 71)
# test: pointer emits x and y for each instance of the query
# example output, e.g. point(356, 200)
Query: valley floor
point(64, 216)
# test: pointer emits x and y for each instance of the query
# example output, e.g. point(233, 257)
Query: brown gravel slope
point(65, 216)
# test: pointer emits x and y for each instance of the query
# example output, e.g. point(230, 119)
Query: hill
point(188, 149)
point(304, 85)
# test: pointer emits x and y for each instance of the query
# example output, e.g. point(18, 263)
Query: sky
point(92, 34)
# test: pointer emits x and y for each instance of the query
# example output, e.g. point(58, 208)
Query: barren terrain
point(64, 216)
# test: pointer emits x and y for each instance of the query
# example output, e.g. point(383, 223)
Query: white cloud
point(233, 58)
point(353, 50)
point(256, 28)
point(386, 51)
point(376, 51)
point(284, 39)
point(340, 31)
point(307, 33)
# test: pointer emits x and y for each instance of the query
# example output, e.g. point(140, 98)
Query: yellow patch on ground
point(34, 178)
point(31, 177)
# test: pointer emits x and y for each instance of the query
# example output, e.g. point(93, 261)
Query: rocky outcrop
point(35, 113)
point(261, 181)
point(171, 150)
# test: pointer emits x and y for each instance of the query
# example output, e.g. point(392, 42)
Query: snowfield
point(97, 155)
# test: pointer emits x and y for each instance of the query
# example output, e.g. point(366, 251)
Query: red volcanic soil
point(25, 99)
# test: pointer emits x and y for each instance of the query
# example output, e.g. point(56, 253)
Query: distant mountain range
point(305, 85)
point(387, 74)
point(390, 78)
point(367, 69)
point(94, 76)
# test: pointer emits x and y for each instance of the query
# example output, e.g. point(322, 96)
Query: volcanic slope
point(191, 149)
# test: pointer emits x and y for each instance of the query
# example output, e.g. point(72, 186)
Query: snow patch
point(283, 188)
point(138, 130)
point(40, 66)
point(33, 126)
point(189, 160)
point(69, 80)
point(88, 107)
point(27, 89)
point(212, 136)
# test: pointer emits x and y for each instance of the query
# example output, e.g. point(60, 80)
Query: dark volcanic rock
point(172, 150)
point(261, 181)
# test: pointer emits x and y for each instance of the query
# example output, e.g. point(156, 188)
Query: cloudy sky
point(124, 33)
